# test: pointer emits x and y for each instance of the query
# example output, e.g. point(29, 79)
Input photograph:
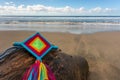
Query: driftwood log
point(15, 61)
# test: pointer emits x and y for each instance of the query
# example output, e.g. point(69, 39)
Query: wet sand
point(102, 50)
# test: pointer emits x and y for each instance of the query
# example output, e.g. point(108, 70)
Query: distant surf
point(72, 24)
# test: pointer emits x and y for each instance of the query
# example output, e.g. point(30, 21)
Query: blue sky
point(60, 7)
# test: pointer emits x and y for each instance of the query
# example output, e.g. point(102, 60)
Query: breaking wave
point(72, 24)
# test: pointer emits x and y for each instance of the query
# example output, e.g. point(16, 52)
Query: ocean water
point(72, 24)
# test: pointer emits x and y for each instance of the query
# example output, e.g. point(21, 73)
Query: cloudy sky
point(59, 7)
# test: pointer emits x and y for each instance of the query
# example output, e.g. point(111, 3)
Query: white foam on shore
point(72, 28)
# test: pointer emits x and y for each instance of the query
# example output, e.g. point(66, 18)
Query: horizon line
point(60, 15)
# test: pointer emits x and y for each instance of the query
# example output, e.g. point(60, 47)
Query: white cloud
point(12, 9)
point(107, 10)
point(100, 10)
point(81, 10)
point(96, 10)
point(9, 3)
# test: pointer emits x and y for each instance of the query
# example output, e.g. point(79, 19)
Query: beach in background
point(97, 38)
point(71, 24)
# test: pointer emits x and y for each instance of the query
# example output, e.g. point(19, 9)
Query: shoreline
point(47, 34)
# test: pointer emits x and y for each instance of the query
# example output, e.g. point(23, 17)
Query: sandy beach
point(102, 50)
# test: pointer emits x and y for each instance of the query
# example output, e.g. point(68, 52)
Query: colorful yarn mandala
point(38, 46)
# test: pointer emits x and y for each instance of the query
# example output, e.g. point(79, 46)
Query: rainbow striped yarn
point(38, 71)
point(38, 46)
